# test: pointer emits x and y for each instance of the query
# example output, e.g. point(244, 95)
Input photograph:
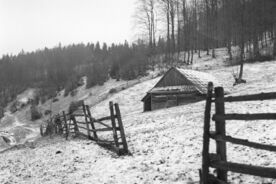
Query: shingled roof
point(199, 79)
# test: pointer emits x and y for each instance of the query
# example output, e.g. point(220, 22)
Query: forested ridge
point(51, 70)
point(173, 30)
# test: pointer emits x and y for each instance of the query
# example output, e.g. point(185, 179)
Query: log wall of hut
point(147, 103)
point(159, 101)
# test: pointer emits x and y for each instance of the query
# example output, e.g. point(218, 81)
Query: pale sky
point(35, 24)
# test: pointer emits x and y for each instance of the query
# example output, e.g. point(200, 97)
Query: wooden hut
point(178, 87)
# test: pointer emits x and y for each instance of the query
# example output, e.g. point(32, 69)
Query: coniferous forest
point(176, 30)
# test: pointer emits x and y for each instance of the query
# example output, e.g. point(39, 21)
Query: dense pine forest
point(169, 31)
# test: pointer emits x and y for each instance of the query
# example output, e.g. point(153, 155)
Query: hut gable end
point(173, 78)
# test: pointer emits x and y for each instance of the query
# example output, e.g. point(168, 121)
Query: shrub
point(55, 99)
point(1, 112)
point(74, 106)
point(46, 112)
point(13, 107)
point(71, 85)
point(73, 93)
point(35, 114)
point(43, 100)
point(113, 90)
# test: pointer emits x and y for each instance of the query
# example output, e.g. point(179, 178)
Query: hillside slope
point(165, 144)
point(18, 126)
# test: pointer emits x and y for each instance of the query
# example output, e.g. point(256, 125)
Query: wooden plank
point(243, 142)
point(84, 128)
point(76, 129)
point(254, 97)
point(96, 121)
point(79, 115)
point(103, 129)
point(245, 169)
point(206, 139)
point(66, 126)
point(80, 122)
point(220, 129)
point(257, 116)
point(86, 120)
point(113, 122)
point(121, 127)
point(104, 118)
point(91, 122)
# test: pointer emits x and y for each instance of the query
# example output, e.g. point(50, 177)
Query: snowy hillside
point(19, 128)
point(165, 144)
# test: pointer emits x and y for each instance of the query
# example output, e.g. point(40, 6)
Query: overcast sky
point(35, 24)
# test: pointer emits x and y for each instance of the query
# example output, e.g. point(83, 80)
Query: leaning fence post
point(122, 131)
point(113, 122)
point(92, 123)
point(86, 121)
point(220, 130)
point(66, 126)
point(76, 128)
point(206, 132)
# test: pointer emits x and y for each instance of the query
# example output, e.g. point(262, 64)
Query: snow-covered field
point(165, 144)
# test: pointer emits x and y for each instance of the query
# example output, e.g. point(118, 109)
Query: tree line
point(51, 70)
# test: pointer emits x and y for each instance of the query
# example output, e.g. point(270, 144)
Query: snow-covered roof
point(199, 79)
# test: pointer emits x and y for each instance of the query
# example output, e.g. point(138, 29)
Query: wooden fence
point(81, 123)
point(219, 159)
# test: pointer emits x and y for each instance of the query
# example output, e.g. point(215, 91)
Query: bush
point(55, 99)
point(13, 107)
point(1, 112)
point(74, 106)
point(47, 112)
point(43, 100)
point(71, 85)
point(73, 93)
point(113, 90)
point(35, 114)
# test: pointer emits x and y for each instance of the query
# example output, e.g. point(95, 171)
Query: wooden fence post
point(113, 122)
point(66, 125)
point(220, 130)
point(122, 131)
point(206, 137)
point(92, 122)
point(76, 128)
point(86, 121)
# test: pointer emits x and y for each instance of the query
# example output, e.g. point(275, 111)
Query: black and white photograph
point(138, 91)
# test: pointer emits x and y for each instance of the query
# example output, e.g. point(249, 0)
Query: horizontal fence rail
point(245, 169)
point(255, 97)
point(257, 116)
point(243, 142)
point(219, 159)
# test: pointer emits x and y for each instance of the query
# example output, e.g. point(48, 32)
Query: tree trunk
point(207, 26)
point(274, 45)
point(168, 31)
point(242, 42)
point(172, 12)
point(256, 50)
